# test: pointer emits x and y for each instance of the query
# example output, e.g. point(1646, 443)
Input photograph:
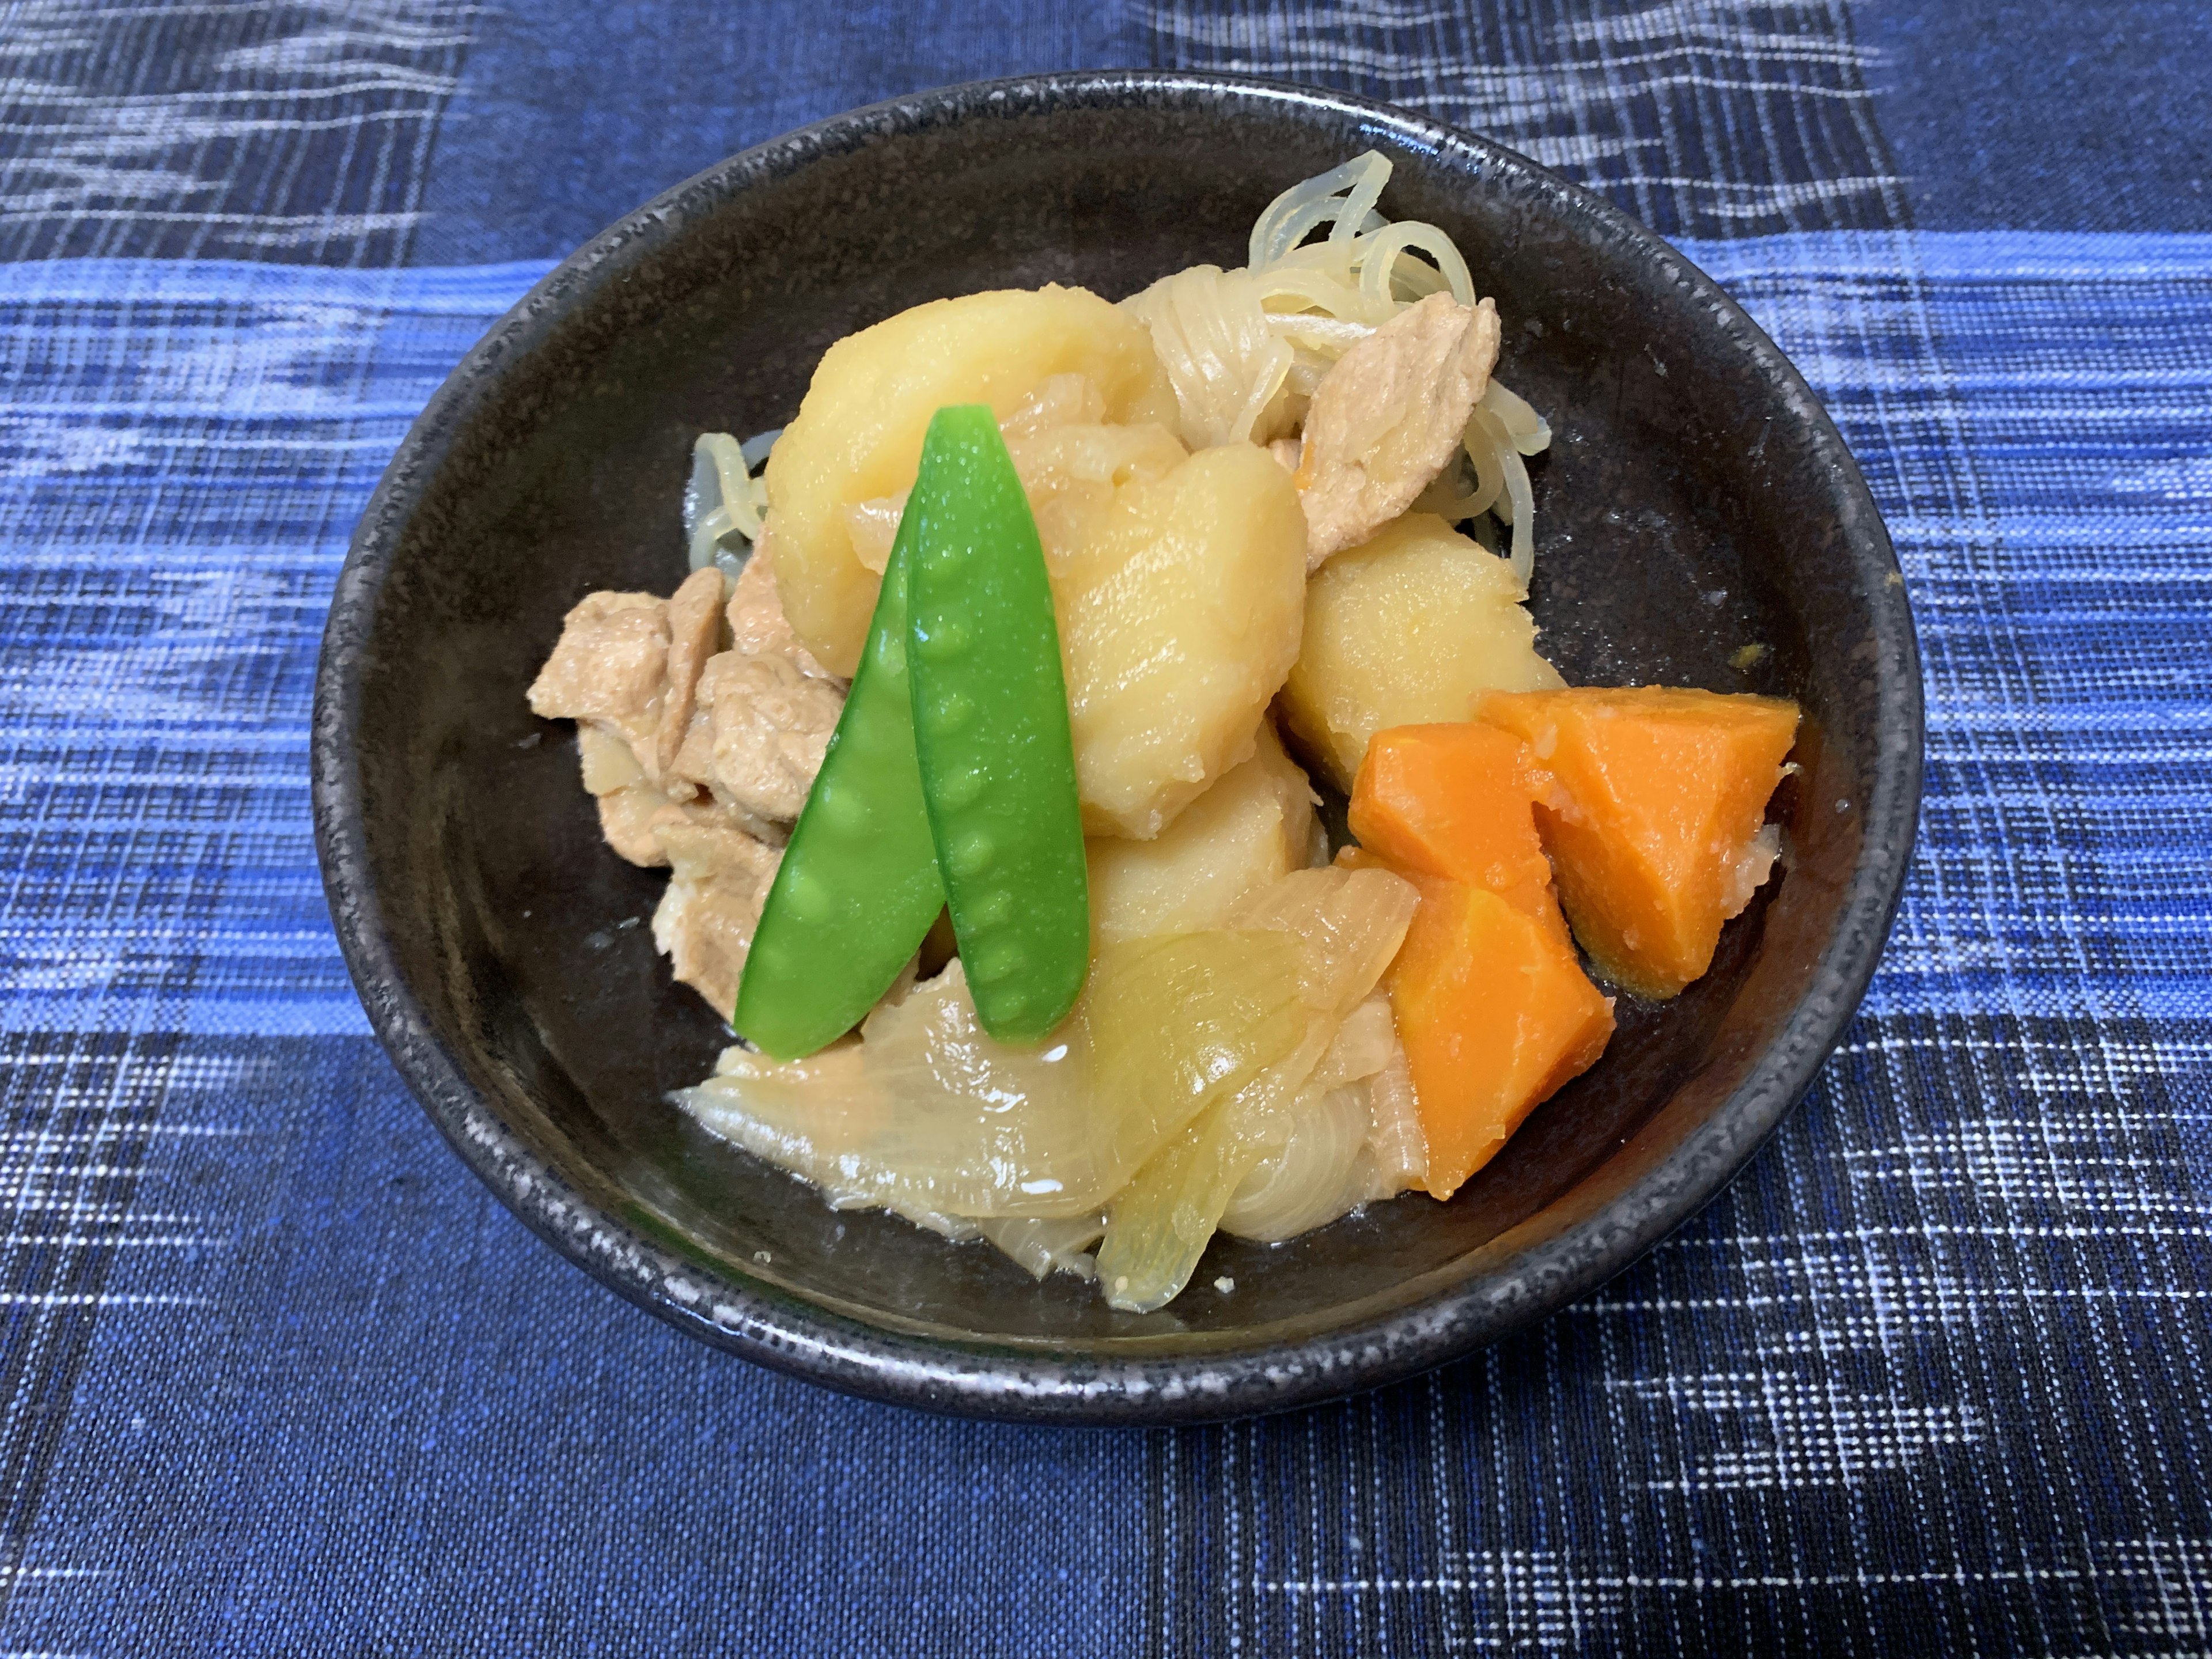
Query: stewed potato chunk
point(1403, 630)
point(857, 435)
point(1179, 596)
point(1254, 826)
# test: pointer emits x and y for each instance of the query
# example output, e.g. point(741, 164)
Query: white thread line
point(83, 1241)
point(1945, 1290)
point(1760, 1581)
point(122, 1128)
point(397, 79)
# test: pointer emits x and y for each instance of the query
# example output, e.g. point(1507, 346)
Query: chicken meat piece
point(627, 664)
point(627, 802)
point(609, 669)
point(694, 629)
point(695, 755)
point(1386, 418)
point(699, 758)
point(626, 818)
point(758, 627)
point(705, 921)
point(763, 711)
point(763, 726)
point(632, 809)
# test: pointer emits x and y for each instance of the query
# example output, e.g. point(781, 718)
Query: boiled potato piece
point(1254, 826)
point(1403, 630)
point(858, 434)
point(1071, 471)
point(1179, 596)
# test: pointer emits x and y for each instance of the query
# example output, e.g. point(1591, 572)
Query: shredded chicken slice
point(767, 726)
point(631, 809)
point(609, 670)
point(695, 627)
point(698, 758)
point(705, 921)
point(763, 711)
point(758, 627)
point(1386, 418)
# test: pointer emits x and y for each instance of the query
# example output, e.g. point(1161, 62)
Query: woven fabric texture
point(277, 1377)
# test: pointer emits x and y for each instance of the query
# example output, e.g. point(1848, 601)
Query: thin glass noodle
point(725, 498)
point(1245, 349)
point(1298, 211)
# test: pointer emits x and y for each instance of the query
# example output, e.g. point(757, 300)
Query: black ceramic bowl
point(1696, 499)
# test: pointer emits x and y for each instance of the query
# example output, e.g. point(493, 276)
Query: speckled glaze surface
point(1697, 500)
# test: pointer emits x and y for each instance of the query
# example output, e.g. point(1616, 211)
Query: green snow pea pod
point(857, 889)
point(990, 713)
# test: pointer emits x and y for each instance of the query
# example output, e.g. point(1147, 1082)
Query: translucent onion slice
point(927, 1115)
point(1061, 1244)
point(1395, 1137)
point(1321, 1170)
point(1161, 1223)
point(1363, 1046)
point(1347, 924)
point(1323, 1166)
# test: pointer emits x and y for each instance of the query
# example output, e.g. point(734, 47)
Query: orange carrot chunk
point(1456, 801)
point(1654, 824)
point(1496, 1015)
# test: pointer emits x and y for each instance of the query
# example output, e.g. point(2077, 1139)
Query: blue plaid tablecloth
point(277, 1378)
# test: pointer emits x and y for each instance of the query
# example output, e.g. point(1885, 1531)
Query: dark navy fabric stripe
point(2095, 115)
point(339, 1402)
point(187, 447)
point(2033, 412)
point(566, 118)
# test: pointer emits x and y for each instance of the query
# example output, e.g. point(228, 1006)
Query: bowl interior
point(1694, 502)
